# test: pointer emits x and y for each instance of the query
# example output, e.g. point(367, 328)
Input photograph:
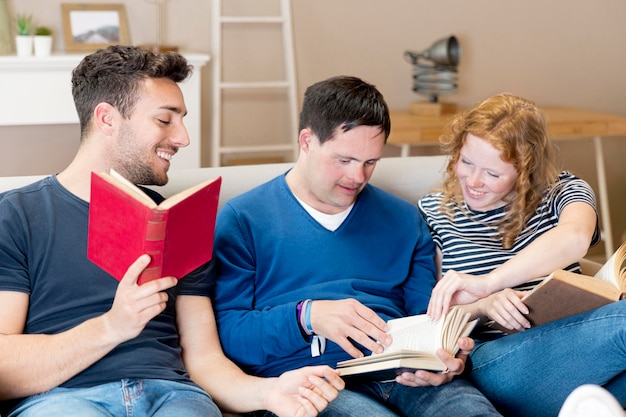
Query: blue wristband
point(307, 317)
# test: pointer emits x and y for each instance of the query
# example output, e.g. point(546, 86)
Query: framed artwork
point(88, 27)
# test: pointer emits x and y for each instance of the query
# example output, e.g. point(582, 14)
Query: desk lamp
point(434, 73)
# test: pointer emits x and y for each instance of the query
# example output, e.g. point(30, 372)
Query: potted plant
point(24, 32)
point(43, 41)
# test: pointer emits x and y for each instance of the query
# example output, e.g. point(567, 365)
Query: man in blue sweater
point(313, 263)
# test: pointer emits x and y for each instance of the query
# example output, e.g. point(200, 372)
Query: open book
point(564, 293)
point(614, 270)
point(124, 223)
point(415, 341)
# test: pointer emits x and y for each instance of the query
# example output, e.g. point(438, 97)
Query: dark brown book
point(563, 293)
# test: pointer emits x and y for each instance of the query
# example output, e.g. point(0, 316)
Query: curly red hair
point(517, 128)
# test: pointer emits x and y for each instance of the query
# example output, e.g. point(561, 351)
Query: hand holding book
point(563, 293)
point(125, 223)
point(416, 340)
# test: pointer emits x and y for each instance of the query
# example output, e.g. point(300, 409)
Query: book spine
point(154, 244)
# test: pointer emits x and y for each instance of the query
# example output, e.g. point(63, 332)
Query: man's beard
point(142, 173)
point(138, 167)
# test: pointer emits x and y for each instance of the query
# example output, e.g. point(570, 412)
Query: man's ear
point(305, 138)
point(104, 116)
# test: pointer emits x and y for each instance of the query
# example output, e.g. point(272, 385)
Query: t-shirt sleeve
point(13, 250)
point(429, 209)
point(571, 189)
point(199, 282)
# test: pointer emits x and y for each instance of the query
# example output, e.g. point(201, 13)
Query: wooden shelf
point(37, 91)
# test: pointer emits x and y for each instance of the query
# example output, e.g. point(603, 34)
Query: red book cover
point(125, 223)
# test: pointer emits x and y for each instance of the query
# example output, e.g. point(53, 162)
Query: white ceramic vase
point(43, 45)
point(24, 45)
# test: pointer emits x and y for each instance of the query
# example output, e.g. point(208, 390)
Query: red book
point(124, 223)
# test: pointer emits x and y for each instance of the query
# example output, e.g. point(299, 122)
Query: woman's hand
point(456, 288)
point(506, 308)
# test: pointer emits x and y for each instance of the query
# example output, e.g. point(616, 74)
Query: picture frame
point(88, 27)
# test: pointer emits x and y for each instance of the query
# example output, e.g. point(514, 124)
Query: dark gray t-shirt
point(43, 253)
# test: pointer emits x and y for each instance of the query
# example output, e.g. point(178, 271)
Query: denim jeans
point(532, 372)
point(129, 397)
point(389, 399)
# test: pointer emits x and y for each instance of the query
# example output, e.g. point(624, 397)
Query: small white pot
point(43, 45)
point(24, 45)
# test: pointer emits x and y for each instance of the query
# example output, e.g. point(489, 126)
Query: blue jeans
point(129, 397)
point(389, 399)
point(532, 372)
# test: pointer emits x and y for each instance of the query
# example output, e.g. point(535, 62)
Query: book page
point(385, 367)
point(118, 179)
point(614, 270)
point(415, 341)
point(180, 196)
point(456, 325)
point(414, 333)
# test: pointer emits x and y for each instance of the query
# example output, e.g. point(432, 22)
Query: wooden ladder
point(286, 84)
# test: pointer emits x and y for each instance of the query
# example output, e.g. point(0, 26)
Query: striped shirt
point(469, 240)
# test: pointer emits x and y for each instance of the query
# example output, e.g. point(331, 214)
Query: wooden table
point(564, 123)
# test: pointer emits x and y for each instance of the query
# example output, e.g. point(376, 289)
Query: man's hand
point(455, 366)
point(134, 306)
point(344, 321)
point(304, 392)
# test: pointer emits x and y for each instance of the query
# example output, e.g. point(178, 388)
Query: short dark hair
point(345, 102)
point(114, 75)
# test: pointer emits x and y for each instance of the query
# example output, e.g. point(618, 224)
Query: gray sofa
point(408, 178)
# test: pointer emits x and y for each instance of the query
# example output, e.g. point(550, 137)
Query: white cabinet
point(37, 91)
